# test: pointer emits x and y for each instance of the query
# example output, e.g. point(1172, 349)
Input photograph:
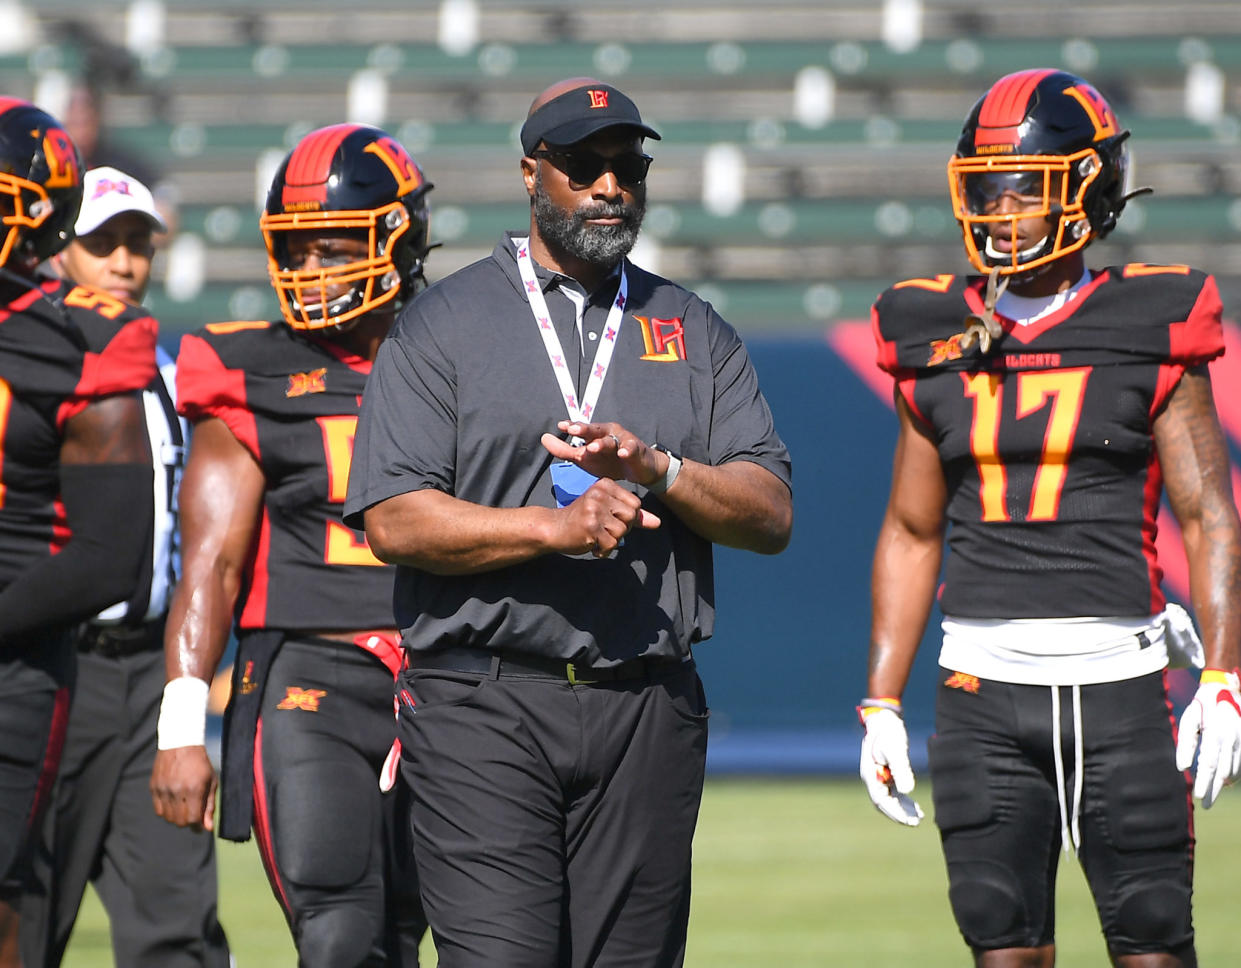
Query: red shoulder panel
point(126, 363)
point(1200, 337)
point(207, 388)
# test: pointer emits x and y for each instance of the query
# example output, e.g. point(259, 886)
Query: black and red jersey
point(61, 347)
point(1046, 441)
point(292, 400)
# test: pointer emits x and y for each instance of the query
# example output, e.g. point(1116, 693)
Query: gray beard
point(602, 246)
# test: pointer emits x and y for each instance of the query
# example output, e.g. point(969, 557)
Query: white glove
point(885, 765)
point(1214, 714)
point(1181, 639)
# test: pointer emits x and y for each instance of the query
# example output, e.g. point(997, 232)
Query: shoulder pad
point(916, 320)
point(1174, 310)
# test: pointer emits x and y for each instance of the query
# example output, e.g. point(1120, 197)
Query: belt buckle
point(574, 680)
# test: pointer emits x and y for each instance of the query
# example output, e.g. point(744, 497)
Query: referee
point(157, 882)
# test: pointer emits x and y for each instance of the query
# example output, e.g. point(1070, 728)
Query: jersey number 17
point(1064, 390)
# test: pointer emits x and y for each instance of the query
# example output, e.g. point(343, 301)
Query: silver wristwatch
point(670, 475)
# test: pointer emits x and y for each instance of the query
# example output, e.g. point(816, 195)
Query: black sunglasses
point(584, 167)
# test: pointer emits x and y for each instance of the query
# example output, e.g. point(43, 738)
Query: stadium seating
point(802, 166)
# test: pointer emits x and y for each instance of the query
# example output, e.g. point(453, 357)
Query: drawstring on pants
point(1070, 829)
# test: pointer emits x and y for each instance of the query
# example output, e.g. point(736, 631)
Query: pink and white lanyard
point(581, 411)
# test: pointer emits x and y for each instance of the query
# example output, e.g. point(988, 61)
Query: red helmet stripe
point(8, 103)
point(305, 179)
point(1004, 107)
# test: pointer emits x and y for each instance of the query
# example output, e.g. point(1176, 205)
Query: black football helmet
point(1038, 134)
point(347, 180)
point(40, 185)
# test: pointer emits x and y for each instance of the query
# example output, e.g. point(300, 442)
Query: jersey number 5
point(341, 547)
point(1065, 389)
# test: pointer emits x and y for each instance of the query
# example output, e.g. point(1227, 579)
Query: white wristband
point(183, 714)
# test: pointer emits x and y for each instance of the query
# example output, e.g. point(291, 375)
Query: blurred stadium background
point(801, 172)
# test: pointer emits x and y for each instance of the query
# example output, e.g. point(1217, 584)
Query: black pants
point(998, 788)
point(336, 855)
point(156, 881)
point(35, 679)
point(553, 822)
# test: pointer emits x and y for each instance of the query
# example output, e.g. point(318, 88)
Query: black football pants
point(35, 679)
point(335, 852)
point(553, 822)
point(156, 881)
point(995, 781)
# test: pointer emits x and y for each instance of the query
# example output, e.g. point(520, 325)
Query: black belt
point(115, 641)
point(506, 665)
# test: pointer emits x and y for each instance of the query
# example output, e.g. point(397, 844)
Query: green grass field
point(795, 873)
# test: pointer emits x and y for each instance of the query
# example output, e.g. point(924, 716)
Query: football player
point(72, 361)
point(274, 406)
point(100, 827)
point(1043, 407)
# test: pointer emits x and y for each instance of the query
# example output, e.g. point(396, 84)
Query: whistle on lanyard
point(569, 482)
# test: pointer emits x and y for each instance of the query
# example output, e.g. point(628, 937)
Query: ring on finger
point(617, 439)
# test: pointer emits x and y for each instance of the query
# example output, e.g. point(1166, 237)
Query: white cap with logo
point(107, 192)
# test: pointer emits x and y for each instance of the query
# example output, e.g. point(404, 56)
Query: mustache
point(606, 210)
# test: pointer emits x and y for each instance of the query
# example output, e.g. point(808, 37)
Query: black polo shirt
point(460, 395)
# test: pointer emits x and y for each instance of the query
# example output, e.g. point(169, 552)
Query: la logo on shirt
point(664, 338)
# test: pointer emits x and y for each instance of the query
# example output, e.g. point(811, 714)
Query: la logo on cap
point(598, 99)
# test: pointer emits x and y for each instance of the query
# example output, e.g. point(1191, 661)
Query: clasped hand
point(598, 520)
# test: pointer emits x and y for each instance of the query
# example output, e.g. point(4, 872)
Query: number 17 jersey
point(1046, 441)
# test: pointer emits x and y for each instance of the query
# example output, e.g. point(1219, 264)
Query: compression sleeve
point(110, 536)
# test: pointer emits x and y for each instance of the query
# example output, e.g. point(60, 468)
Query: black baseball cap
point(577, 114)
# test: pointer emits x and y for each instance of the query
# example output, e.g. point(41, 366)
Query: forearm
point(183, 780)
point(111, 533)
point(199, 622)
point(221, 507)
point(908, 554)
point(444, 535)
point(903, 581)
point(1213, 551)
point(1194, 458)
point(194, 642)
point(739, 504)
